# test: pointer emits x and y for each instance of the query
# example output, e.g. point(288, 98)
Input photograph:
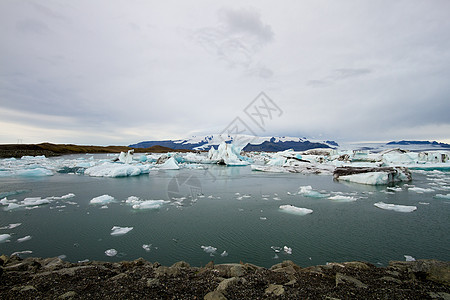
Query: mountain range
point(251, 143)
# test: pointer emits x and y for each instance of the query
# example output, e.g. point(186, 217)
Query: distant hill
point(424, 143)
point(48, 149)
point(252, 143)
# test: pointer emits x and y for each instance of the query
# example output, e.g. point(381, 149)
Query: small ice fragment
point(224, 253)
point(287, 250)
point(276, 249)
point(340, 198)
point(103, 199)
point(11, 226)
point(262, 218)
point(4, 238)
point(276, 198)
point(22, 252)
point(442, 196)
point(24, 239)
point(394, 207)
point(117, 230)
point(111, 252)
point(420, 190)
point(104, 207)
point(409, 258)
point(62, 256)
point(295, 210)
point(147, 247)
point(83, 261)
point(209, 249)
point(424, 203)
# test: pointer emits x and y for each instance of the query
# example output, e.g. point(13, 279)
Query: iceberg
point(170, 164)
point(109, 169)
point(4, 237)
point(24, 239)
point(111, 252)
point(409, 258)
point(227, 154)
point(308, 191)
point(224, 253)
point(209, 249)
point(103, 199)
point(341, 198)
point(11, 226)
point(117, 230)
point(136, 203)
point(126, 158)
point(442, 196)
point(295, 210)
point(372, 176)
point(394, 207)
point(147, 247)
point(420, 190)
point(287, 250)
point(34, 201)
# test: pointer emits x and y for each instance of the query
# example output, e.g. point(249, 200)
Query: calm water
point(245, 227)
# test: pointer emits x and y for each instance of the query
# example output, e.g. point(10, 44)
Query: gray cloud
point(338, 74)
point(240, 35)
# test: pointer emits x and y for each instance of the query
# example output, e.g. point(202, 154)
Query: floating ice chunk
point(420, 190)
point(24, 239)
point(111, 252)
point(341, 198)
point(109, 169)
point(4, 238)
point(170, 164)
point(127, 157)
point(276, 249)
point(22, 252)
point(409, 258)
point(262, 218)
point(35, 201)
point(442, 196)
point(11, 206)
point(11, 226)
point(147, 247)
point(209, 249)
point(117, 230)
point(83, 261)
point(308, 191)
point(103, 199)
point(394, 207)
point(394, 189)
point(224, 253)
point(277, 198)
point(64, 197)
point(149, 204)
point(287, 250)
point(424, 203)
point(295, 210)
point(104, 207)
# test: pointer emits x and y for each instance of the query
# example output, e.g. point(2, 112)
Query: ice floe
point(409, 258)
point(394, 207)
point(342, 198)
point(137, 203)
point(11, 226)
point(111, 252)
point(126, 157)
point(170, 164)
point(308, 191)
point(24, 239)
point(224, 253)
point(295, 210)
point(209, 249)
point(4, 237)
point(147, 247)
point(420, 190)
point(111, 169)
point(117, 230)
point(103, 199)
point(442, 196)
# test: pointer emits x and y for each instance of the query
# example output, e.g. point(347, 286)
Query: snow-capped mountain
point(252, 143)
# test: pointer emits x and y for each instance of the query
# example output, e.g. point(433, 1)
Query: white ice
point(170, 164)
point(11, 226)
point(229, 154)
point(127, 157)
point(442, 196)
point(111, 252)
point(103, 199)
point(295, 210)
point(147, 247)
point(341, 198)
point(224, 253)
point(209, 249)
point(420, 190)
point(409, 258)
point(308, 191)
point(394, 207)
point(24, 239)
point(117, 230)
point(4, 237)
point(287, 250)
point(137, 203)
point(109, 169)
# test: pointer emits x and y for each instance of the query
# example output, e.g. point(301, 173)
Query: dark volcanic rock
point(52, 278)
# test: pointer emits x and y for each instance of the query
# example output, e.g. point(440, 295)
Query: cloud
point(339, 74)
point(237, 39)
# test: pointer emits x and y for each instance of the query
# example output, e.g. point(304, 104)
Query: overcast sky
point(120, 72)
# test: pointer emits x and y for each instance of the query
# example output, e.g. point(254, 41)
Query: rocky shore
point(53, 278)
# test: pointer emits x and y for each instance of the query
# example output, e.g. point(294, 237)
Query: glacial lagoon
point(219, 213)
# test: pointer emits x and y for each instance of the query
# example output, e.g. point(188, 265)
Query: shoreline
point(43, 278)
